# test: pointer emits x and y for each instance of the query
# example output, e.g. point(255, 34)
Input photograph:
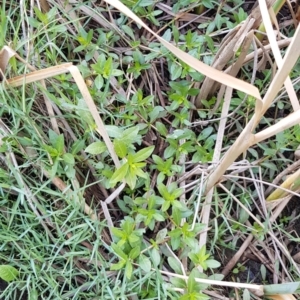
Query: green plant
point(131, 169)
point(239, 268)
point(8, 273)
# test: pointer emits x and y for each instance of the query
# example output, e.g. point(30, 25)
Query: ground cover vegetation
point(149, 149)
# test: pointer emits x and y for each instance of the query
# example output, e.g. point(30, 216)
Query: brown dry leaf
point(38, 75)
point(191, 61)
point(282, 297)
point(5, 55)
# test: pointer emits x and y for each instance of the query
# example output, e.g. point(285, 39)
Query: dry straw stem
point(191, 61)
point(292, 183)
point(276, 52)
point(205, 214)
point(258, 289)
point(247, 138)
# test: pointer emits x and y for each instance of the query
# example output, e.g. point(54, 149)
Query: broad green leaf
point(141, 173)
point(161, 128)
point(128, 269)
point(131, 135)
point(96, 148)
point(175, 70)
point(120, 147)
point(143, 154)
point(283, 288)
point(135, 252)
point(161, 235)
point(155, 257)
point(83, 112)
point(177, 215)
point(119, 174)
point(113, 131)
point(117, 232)
point(157, 160)
point(156, 112)
point(128, 31)
point(169, 151)
point(218, 277)
point(119, 252)
point(211, 263)
point(118, 266)
point(246, 295)
point(8, 273)
point(52, 151)
point(175, 265)
point(191, 284)
point(145, 263)
point(158, 217)
point(68, 158)
point(133, 240)
point(116, 72)
point(77, 146)
point(99, 82)
point(131, 180)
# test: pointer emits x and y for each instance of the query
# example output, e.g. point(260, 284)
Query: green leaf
point(161, 235)
point(117, 232)
point(135, 252)
point(128, 269)
point(116, 72)
point(246, 295)
point(120, 147)
point(131, 180)
point(96, 148)
point(68, 158)
point(118, 266)
point(175, 265)
point(156, 112)
point(191, 284)
point(217, 277)
point(155, 257)
point(130, 135)
point(211, 263)
point(161, 128)
point(8, 273)
point(119, 252)
point(99, 82)
point(145, 263)
point(119, 174)
point(133, 240)
point(128, 31)
point(175, 71)
point(283, 288)
point(77, 146)
point(113, 131)
point(59, 144)
point(143, 154)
